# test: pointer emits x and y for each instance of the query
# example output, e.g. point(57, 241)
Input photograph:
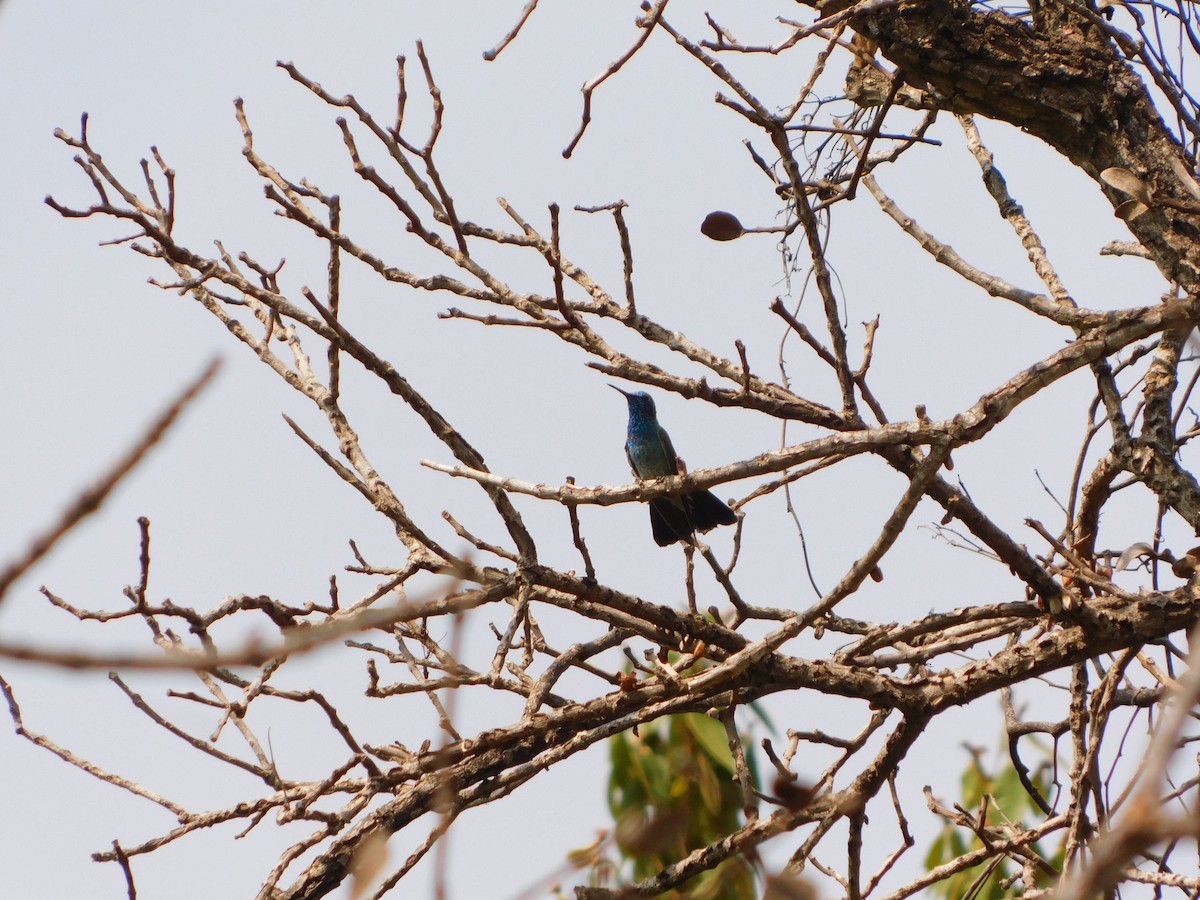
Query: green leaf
point(974, 785)
point(1011, 795)
point(710, 733)
point(709, 785)
point(761, 712)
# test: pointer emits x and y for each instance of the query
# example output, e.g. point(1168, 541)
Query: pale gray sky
point(89, 352)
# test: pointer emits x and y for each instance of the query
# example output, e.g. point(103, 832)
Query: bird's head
point(641, 404)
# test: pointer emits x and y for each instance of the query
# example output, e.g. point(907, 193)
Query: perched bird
point(650, 454)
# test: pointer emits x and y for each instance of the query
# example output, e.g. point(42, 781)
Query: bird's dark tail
point(707, 510)
point(669, 521)
point(672, 521)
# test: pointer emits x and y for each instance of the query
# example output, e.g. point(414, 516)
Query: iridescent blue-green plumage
point(651, 455)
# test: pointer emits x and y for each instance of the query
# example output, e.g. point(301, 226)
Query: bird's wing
point(665, 440)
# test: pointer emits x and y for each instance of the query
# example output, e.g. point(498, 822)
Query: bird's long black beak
point(626, 393)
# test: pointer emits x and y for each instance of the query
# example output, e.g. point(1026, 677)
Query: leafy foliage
point(673, 788)
point(1006, 801)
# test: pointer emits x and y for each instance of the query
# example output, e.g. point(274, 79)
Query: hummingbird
point(651, 455)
